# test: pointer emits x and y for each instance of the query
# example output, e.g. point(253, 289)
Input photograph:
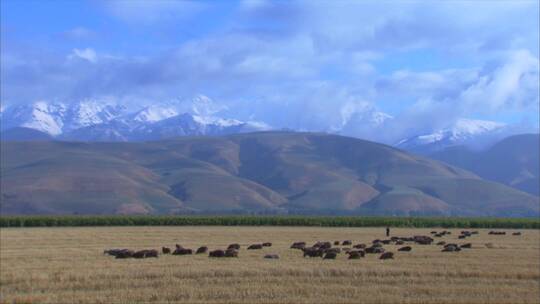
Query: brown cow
point(165, 250)
point(124, 254)
point(182, 251)
point(346, 243)
point(406, 248)
point(234, 246)
point(271, 256)
point(330, 256)
point(313, 252)
point(468, 245)
point(373, 249)
point(387, 255)
point(216, 253)
point(298, 245)
point(202, 249)
point(255, 246)
point(231, 253)
point(267, 244)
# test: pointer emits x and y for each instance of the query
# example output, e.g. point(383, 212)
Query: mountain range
point(261, 172)
point(91, 120)
point(513, 161)
point(107, 120)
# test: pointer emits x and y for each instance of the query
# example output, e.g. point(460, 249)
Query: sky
point(306, 65)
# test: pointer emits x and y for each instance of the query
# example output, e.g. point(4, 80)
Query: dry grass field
point(67, 265)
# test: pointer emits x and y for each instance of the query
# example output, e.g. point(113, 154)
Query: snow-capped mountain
point(105, 120)
point(462, 132)
point(55, 118)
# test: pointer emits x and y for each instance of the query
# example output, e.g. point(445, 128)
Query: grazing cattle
point(335, 250)
point(298, 245)
point(313, 252)
point(165, 250)
point(234, 246)
point(231, 253)
point(377, 245)
point(468, 245)
point(406, 248)
point(202, 249)
point(336, 243)
point(216, 253)
point(255, 246)
point(360, 246)
point(441, 243)
point(346, 243)
point(387, 255)
point(330, 256)
point(422, 240)
point(271, 256)
point(178, 246)
point(451, 248)
point(462, 236)
point(386, 242)
point(267, 244)
point(182, 251)
point(374, 250)
point(141, 254)
point(152, 253)
point(123, 254)
point(516, 233)
point(497, 232)
point(322, 245)
point(115, 252)
point(353, 255)
point(433, 232)
point(400, 242)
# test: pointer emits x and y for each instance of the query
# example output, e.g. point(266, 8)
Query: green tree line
point(323, 221)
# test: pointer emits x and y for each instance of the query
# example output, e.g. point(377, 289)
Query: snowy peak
point(461, 132)
point(55, 118)
point(91, 112)
point(154, 114)
point(42, 116)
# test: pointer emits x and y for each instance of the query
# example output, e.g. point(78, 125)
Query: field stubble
point(67, 265)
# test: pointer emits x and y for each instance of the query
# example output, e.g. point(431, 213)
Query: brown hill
point(268, 172)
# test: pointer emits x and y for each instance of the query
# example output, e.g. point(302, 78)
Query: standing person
point(387, 231)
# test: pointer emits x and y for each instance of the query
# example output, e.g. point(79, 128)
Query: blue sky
point(299, 64)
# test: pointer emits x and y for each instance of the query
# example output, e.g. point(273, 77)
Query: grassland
point(66, 265)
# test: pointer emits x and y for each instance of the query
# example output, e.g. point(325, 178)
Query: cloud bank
point(307, 65)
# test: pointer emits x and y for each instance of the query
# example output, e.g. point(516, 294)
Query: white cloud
point(514, 84)
point(86, 54)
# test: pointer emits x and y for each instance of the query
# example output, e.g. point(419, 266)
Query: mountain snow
point(105, 120)
point(461, 132)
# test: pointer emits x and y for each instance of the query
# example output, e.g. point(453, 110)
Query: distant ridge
point(513, 161)
point(253, 173)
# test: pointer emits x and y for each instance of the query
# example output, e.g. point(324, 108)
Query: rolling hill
point(263, 173)
point(513, 161)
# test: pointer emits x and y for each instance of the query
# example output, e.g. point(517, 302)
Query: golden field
point(67, 265)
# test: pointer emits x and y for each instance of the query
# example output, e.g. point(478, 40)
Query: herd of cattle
point(325, 250)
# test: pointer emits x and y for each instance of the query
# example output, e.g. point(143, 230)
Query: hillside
point(513, 161)
point(267, 172)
